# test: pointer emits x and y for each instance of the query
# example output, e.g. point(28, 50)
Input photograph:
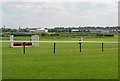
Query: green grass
point(66, 63)
point(115, 38)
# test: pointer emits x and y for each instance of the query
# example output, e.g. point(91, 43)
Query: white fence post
point(81, 39)
point(35, 38)
point(38, 41)
point(32, 39)
point(11, 40)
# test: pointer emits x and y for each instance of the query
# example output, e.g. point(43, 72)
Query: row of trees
point(56, 29)
point(81, 29)
point(13, 30)
point(60, 29)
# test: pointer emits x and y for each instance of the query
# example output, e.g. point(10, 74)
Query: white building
point(41, 30)
point(99, 31)
point(75, 30)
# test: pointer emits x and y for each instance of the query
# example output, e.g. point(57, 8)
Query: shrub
point(44, 34)
point(99, 34)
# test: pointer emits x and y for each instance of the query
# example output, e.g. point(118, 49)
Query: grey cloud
point(48, 14)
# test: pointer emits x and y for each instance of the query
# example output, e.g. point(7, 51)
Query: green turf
point(115, 38)
point(66, 63)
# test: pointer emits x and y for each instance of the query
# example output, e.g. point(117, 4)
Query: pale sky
point(53, 14)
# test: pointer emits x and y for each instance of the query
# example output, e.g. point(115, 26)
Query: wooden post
point(80, 45)
point(54, 47)
point(24, 47)
point(102, 47)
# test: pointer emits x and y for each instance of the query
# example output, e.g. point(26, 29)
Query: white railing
point(79, 42)
point(65, 41)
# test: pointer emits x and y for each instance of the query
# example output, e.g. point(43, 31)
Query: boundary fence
point(54, 42)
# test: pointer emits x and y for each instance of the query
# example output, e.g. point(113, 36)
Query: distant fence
point(54, 42)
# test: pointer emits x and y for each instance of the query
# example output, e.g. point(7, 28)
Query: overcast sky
point(54, 14)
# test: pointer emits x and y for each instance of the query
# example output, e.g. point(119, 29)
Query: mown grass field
point(20, 38)
point(66, 63)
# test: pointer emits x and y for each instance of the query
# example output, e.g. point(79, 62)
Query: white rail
point(65, 41)
point(62, 42)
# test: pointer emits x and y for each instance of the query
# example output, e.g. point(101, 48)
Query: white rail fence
point(79, 42)
point(64, 41)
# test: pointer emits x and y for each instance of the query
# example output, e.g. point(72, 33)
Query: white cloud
point(0, 18)
point(50, 14)
point(60, 0)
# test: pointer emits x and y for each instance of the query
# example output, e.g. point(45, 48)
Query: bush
point(99, 34)
point(21, 34)
point(109, 35)
point(44, 34)
point(54, 34)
